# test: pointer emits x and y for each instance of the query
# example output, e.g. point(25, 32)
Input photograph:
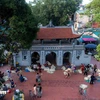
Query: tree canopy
point(18, 27)
point(59, 11)
point(17, 18)
point(93, 8)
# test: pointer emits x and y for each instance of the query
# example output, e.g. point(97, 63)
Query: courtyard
point(56, 86)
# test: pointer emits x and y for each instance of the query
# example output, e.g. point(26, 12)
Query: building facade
point(59, 42)
point(80, 19)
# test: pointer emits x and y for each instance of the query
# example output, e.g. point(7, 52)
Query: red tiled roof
point(56, 33)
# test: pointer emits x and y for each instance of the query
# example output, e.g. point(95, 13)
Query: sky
point(84, 1)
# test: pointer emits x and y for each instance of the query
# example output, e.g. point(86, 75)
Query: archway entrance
point(51, 57)
point(66, 58)
point(35, 57)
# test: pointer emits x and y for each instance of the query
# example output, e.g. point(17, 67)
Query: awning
point(89, 39)
point(86, 36)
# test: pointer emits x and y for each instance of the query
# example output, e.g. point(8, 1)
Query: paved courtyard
point(56, 87)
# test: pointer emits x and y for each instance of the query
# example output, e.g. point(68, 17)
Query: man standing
point(92, 79)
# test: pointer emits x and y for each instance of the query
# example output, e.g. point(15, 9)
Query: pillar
point(42, 57)
point(14, 59)
point(29, 58)
point(73, 57)
point(60, 58)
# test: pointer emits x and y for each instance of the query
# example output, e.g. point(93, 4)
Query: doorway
point(35, 58)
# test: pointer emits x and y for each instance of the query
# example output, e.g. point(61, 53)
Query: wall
point(22, 62)
point(85, 59)
point(75, 50)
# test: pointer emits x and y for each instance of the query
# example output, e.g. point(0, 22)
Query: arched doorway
point(66, 58)
point(51, 57)
point(35, 57)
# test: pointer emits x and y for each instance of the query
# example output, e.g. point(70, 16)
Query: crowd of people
point(88, 69)
point(85, 70)
point(36, 92)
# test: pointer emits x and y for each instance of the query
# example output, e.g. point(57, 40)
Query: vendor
point(35, 68)
point(5, 88)
point(1, 74)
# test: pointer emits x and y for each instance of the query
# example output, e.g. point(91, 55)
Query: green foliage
point(58, 11)
point(98, 50)
point(94, 9)
point(20, 21)
point(97, 57)
point(98, 53)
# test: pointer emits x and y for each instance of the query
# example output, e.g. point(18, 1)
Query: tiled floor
point(56, 87)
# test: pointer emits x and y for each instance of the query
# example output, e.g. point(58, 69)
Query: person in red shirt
point(82, 68)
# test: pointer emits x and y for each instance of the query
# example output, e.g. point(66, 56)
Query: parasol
point(91, 46)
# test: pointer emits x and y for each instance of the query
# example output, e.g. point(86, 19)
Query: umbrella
point(91, 46)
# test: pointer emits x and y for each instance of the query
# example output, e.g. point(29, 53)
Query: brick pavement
point(56, 87)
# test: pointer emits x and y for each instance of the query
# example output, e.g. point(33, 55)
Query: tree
point(98, 53)
point(18, 27)
point(20, 21)
point(58, 11)
point(93, 8)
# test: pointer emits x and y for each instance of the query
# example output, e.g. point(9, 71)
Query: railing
point(57, 47)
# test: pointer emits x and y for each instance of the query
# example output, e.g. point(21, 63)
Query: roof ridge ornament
point(50, 24)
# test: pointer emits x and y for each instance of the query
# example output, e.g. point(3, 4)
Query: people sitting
point(34, 67)
point(1, 74)
point(21, 78)
point(2, 80)
point(5, 88)
point(12, 68)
